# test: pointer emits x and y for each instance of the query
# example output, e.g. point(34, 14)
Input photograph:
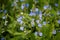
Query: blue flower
point(21, 28)
point(37, 13)
point(27, 5)
point(40, 34)
point(58, 13)
point(22, 6)
point(5, 11)
point(36, 33)
point(59, 21)
point(39, 25)
point(37, 21)
point(20, 17)
point(2, 38)
point(44, 23)
point(36, 9)
point(54, 32)
point(4, 17)
point(20, 21)
point(32, 14)
point(56, 4)
point(46, 6)
point(40, 15)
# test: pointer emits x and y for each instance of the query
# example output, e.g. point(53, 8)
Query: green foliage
point(16, 22)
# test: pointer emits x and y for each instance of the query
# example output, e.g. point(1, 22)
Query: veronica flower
point(39, 25)
point(20, 20)
point(56, 4)
point(44, 23)
point(40, 15)
point(22, 28)
point(22, 6)
point(36, 9)
point(32, 14)
point(2, 38)
point(36, 33)
point(58, 13)
point(21, 17)
point(46, 6)
point(4, 17)
point(40, 34)
point(27, 5)
point(5, 11)
point(59, 21)
point(54, 32)
point(37, 21)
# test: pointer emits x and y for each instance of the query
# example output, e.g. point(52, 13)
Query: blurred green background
point(29, 19)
